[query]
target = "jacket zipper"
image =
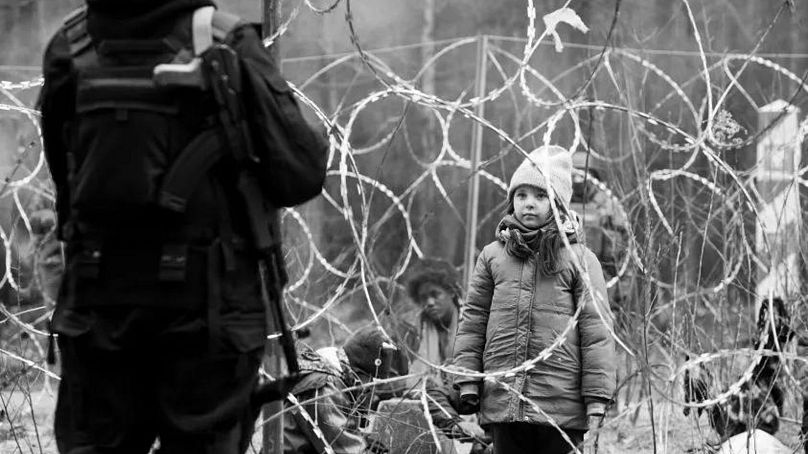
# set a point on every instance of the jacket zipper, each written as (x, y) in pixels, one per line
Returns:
(528, 336)
(513, 412)
(521, 403)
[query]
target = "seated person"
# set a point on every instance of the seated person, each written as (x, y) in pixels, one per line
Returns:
(434, 286)
(331, 394)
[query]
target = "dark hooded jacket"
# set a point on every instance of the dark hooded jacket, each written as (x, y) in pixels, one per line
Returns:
(151, 291)
(325, 374)
(149, 20)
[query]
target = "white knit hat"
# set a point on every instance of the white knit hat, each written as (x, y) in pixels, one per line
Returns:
(556, 168)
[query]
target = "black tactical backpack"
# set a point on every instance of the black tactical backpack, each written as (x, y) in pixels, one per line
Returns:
(157, 159)
(134, 125)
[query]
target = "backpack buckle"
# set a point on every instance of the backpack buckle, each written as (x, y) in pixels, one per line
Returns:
(173, 263)
(88, 259)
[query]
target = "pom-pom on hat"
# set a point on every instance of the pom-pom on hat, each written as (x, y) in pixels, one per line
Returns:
(556, 168)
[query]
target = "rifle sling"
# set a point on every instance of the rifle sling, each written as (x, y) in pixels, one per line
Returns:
(192, 164)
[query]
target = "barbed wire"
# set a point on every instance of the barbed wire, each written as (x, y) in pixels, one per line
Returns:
(353, 274)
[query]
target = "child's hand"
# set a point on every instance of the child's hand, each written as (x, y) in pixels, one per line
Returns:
(469, 404)
(594, 414)
(469, 399)
(593, 421)
(469, 388)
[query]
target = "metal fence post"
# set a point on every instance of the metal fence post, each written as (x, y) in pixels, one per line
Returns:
(476, 153)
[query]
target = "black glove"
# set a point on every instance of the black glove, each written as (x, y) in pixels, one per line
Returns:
(469, 404)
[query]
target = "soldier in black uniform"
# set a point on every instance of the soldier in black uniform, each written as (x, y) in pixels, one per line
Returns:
(167, 182)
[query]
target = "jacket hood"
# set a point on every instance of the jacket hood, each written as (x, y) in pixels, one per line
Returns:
(133, 19)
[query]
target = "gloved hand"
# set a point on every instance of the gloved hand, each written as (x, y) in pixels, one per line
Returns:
(593, 421)
(469, 399)
(595, 410)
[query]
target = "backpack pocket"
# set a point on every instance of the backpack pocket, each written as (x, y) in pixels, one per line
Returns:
(126, 131)
(292, 153)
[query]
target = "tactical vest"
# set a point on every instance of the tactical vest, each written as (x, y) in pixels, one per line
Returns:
(145, 204)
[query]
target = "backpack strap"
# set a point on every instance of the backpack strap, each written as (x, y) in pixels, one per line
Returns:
(205, 150)
(224, 23)
(209, 25)
(80, 41)
(187, 170)
(202, 29)
(74, 16)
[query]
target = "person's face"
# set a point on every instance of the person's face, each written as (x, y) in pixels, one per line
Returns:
(531, 206)
(436, 302)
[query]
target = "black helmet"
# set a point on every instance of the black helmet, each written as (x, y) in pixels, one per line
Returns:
(370, 352)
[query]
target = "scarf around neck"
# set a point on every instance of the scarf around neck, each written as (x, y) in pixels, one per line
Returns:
(522, 241)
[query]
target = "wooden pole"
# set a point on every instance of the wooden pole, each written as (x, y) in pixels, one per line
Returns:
(476, 152)
(270, 12)
(273, 361)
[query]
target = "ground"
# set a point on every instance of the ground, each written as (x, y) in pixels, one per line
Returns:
(32, 433)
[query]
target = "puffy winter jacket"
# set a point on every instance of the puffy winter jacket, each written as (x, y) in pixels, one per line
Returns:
(512, 313)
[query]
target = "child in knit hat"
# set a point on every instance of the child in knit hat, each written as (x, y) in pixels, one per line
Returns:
(528, 287)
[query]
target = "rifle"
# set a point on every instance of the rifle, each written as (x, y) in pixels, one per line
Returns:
(217, 69)
(222, 72)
